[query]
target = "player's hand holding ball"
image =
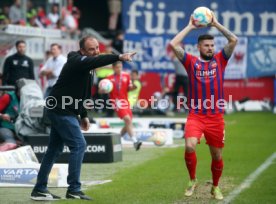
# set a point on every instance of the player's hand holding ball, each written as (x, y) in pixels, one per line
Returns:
(214, 20)
(191, 24)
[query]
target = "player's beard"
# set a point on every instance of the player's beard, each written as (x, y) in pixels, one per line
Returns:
(209, 56)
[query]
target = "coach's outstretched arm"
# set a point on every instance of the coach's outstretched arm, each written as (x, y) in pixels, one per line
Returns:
(231, 37)
(92, 62)
(177, 40)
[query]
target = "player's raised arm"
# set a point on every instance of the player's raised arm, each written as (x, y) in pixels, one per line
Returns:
(231, 37)
(177, 40)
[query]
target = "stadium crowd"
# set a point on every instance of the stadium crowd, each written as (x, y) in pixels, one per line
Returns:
(65, 18)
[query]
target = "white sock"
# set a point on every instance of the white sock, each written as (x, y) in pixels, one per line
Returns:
(134, 139)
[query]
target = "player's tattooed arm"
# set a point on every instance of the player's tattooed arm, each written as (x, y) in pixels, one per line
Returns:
(178, 51)
(231, 37)
(232, 42)
(178, 39)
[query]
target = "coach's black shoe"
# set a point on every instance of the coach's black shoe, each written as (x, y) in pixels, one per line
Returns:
(43, 195)
(137, 145)
(77, 195)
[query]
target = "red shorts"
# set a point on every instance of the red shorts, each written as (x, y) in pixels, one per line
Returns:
(124, 112)
(209, 126)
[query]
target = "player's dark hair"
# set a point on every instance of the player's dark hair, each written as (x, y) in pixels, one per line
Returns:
(135, 71)
(19, 42)
(83, 40)
(115, 63)
(205, 37)
(56, 44)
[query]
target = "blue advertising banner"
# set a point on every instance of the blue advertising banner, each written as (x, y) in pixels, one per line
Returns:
(262, 56)
(150, 24)
(18, 175)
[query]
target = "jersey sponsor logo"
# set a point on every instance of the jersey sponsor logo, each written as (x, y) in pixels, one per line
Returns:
(206, 73)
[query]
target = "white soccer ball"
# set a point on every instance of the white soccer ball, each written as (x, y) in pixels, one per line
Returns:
(159, 138)
(202, 17)
(106, 85)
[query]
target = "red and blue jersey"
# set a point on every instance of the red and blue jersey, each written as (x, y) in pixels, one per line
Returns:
(205, 83)
(121, 83)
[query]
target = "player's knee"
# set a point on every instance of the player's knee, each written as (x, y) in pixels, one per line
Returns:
(216, 156)
(189, 147)
(127, 120)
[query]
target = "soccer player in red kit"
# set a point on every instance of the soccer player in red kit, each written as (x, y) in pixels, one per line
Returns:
(206, 75)
(119, 95)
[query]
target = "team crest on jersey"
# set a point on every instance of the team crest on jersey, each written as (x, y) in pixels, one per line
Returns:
(198, 66)
(15, 62)
(213, 64)
(25, 63)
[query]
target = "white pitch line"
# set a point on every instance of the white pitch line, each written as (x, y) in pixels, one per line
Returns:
(249, 180)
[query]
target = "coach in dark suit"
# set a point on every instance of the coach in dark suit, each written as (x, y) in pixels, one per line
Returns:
(74, 83)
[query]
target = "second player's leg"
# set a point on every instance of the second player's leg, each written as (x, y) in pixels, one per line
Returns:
(191, 161)
(217, 164)
(214, 135)
(216, 153)
(190, 156)
(123, 131)
(216, 168)
(193, 132)
(129, 129)
(128, 126)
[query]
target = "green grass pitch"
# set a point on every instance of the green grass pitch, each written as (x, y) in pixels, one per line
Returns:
(158, 175)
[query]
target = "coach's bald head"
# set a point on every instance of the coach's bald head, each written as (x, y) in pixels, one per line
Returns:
(89, 46)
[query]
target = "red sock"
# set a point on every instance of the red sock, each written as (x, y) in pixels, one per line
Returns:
(216, 167)
(190, 158)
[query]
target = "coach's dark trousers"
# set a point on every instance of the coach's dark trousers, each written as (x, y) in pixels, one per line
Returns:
(65, 130)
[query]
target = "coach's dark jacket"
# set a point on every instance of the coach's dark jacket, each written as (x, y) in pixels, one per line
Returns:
(75, 82)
